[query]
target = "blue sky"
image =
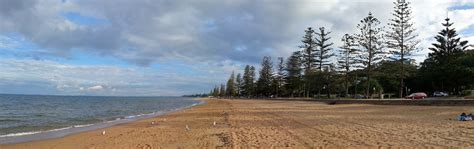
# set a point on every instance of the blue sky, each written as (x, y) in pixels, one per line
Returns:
(80, 19)
(158, 47)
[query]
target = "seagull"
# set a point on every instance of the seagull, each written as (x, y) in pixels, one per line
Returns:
(153, 123)
(103, 132)
(214, 123)
(187, 128)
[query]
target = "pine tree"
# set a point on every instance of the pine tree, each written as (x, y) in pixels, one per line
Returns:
(222, 92)
(280, 77)
(230, 89)
(440, 67)
(448, 45)
(308, 50)
(252, 80)
(264, 83)
(214, 92)
(346, 60)
(401, 38)
(323, 47)
(308, 57)
(294, 74)
(238, 84)
(248, 81)
(370, 41)
(329, 80)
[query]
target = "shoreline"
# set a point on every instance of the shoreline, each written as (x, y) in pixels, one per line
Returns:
(24, 137)
(272, 123)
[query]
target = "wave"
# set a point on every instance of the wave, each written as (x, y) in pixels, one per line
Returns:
(112, 122)
(36, 132)
(10, 120)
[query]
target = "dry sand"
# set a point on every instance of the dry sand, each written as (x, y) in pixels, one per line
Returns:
(292, 124)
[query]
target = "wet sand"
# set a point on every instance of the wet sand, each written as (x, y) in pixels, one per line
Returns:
(291, 124)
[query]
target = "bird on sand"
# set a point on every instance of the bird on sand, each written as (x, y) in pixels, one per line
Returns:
(187, 128)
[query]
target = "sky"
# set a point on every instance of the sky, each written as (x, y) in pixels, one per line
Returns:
(176, 47)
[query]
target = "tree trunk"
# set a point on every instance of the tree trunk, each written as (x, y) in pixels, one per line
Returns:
(347, 84)
(402, 77)
(402, 54)
(401, 88)
(356, 83)
(367, 92)
(369, 63)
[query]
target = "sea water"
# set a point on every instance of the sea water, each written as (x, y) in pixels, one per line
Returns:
(34, 117)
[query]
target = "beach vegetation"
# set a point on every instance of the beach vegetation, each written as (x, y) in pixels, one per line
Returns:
(370, 63)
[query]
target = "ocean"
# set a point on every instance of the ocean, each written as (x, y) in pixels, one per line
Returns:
(35, 117)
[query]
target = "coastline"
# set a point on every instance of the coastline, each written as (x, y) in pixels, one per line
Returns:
(40, 135)
(269, 123)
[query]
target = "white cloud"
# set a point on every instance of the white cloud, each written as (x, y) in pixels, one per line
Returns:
(206, 39)
(95, 88)
(42, 76)
(147, 32)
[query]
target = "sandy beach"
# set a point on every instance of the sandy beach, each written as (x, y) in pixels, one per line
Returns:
(282, 124)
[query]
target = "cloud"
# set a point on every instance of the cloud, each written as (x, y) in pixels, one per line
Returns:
(146, 32)
(205, 37)
(95, 88)
(49, 77)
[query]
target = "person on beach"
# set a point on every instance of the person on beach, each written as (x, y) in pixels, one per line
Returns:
(462, 117)
(469, 117)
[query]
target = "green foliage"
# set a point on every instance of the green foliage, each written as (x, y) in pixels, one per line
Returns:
(401, 36)
(215, 92)
(323, 48)
(449, 66)
(323, 55)
(308, 50)
(370, 42)
(376, 87)
(293, 75)
(384, 73)
(222, 92)
(238, 85)
(308, 72)
(347, 59)
(467, 93)
(279, 80)
(448, 46)
(248, 81)
(230, 89)
(401, 39)
(264, 83)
